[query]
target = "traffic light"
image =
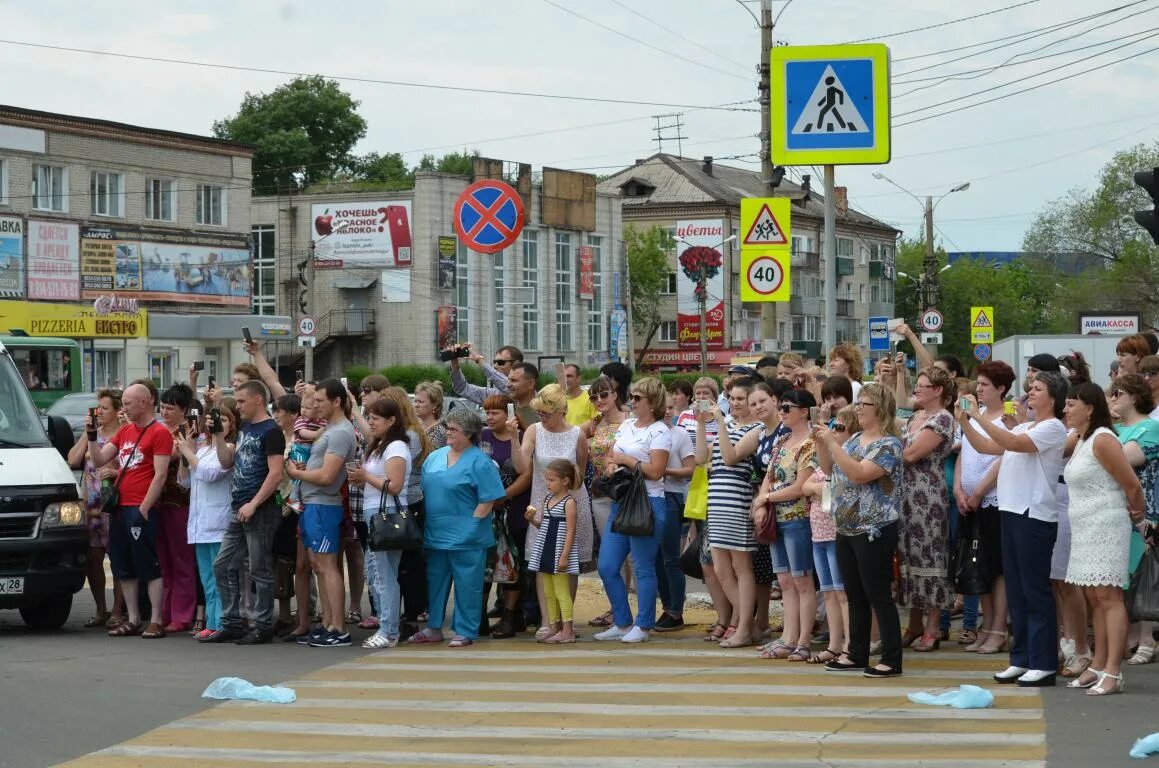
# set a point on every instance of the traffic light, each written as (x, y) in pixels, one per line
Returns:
(1149, 220)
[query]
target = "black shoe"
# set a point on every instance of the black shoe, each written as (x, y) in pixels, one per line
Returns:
(875, 672)
(255, 637)
(313, 634)
(224, 635)
(495, 612)
(331, 639)
(505, 627)
(668, 623)
(838, 666)
(294, 637)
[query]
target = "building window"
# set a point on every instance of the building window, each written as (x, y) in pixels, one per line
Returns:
(596, 320)
(530, 280)
(265, 272)
(159, 199)
(563, 290)
(106, 368)
(462, 294)
(49, 185)
(864, 255)
(798, 327)
(500, 302)
(3, 181)
(668, 332)
(107, 193)
(845, 248)
(210, 205)
(669, 286)
(875, 293)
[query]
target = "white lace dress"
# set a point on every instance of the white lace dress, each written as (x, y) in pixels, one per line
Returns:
(550, 446)
(1100, 528)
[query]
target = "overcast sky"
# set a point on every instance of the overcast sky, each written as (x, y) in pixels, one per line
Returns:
(1017, 152)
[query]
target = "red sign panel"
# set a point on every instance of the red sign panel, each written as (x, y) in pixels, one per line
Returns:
(685, 358)
(587, 272)
(688, 327)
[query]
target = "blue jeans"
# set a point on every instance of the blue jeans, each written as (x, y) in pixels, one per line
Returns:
(614, 550)
(670, 577)
(382, 576)
(465, 568)
(970, 603)
(251, 543)
(206, 554)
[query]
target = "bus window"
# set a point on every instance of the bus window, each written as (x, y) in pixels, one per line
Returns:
(44, 369)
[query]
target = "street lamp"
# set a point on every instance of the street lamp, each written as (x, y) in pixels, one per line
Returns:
(307, 302)
(702, 298)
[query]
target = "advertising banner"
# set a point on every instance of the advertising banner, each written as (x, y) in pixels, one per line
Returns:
(105, 318)
(708, 233)
(447, 248)
(153, 265)
(11, 258)
(363, 234)
(446, 327)
(587, 272)
(53, 261)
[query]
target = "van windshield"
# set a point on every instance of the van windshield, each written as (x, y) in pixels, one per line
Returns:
(19, 420)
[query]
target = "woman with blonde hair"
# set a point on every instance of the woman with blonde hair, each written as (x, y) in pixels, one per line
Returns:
(553, 438)
(428, 406)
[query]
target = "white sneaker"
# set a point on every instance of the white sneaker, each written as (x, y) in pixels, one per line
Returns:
(635, 635)
(1010, 674)
(611, 633)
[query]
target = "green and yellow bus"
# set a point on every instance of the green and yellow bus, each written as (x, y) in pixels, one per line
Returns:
(51, 368)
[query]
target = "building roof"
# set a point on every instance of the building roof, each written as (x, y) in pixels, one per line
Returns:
(664, 179)
(32, 118)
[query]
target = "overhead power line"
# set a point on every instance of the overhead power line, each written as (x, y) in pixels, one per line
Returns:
(673, 32)
(944, 23)
(638, 41)
(369, 80)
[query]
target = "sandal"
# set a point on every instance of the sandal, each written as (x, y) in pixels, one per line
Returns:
(98, 620)
(776, 650)
(458, 641)
(967, 637)
(927, 643)
(800, 653)
(824, 657)
(557, 640)
(370, 622)
(115, 621)
(1078, 682)
(986, 648)
(1075, 665)
(733, 641)
(979, 641)
(354, 617)
(1144, 655)
(125, 629)
(379, 641)
(603, 620)
(1099, 690)
(198, 626)
(908, 637)
(715, 633)
(153, 632)
(544, 632)
(422, 637)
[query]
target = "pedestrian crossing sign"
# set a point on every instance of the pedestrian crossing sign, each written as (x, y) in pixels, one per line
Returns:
(981, 325)
(764, 222)
(830, 104)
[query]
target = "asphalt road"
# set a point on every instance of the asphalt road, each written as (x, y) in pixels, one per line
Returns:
(70, 693)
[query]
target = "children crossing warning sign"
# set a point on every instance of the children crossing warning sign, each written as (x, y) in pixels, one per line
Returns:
(764, 222)
(981, 325)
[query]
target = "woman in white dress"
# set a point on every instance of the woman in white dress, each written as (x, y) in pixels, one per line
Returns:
(1103, 487)
(553, 438)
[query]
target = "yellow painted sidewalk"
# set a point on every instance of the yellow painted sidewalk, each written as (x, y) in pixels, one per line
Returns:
(669, 703)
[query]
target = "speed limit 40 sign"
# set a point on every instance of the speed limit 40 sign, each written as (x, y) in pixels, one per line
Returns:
(764, 275)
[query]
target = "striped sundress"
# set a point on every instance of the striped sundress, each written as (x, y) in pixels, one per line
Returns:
(548, 543)
(730, 495)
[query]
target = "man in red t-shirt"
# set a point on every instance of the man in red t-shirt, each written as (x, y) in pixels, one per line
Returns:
(142, 449)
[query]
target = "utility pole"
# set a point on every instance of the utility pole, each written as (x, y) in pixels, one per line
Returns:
(307, 307)
(930, 284)
(829, 335)
(768, 308)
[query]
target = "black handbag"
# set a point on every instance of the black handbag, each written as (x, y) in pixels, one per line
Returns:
(613, 486)
(394, 528)
(111, 496)
(690, 558)
(971, 568)
(1143, 596)
(635, 515)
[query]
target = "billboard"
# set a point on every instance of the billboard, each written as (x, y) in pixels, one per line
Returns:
(164, 266)
(53, 260)
(708, 233)
(587, 272)
(11, 258)
(374, 235)
(105, 318)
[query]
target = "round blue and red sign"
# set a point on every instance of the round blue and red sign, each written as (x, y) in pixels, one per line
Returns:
(488, 216)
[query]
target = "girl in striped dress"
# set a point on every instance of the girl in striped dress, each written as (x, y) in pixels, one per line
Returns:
(553, 551)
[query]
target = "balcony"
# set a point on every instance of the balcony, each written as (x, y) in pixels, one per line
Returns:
(801, 305)
(805, 260)
(877, 269)
(845, 307)
(844, 266)
(346, 323)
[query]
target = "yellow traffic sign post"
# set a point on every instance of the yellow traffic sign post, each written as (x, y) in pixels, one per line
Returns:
(765, 235)
(982, 332)
(764, 275)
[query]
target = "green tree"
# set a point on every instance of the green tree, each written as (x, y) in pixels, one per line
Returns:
(389, 169)
(462, 163)
(1100, 225)
(647, 252)
(1023, 297)
(303, 132)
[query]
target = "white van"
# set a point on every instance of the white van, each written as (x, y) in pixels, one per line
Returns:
(43, 532)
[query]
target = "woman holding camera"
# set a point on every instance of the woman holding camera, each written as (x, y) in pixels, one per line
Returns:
(178, 563)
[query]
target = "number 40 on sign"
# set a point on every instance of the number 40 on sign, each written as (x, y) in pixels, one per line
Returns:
(766, 275)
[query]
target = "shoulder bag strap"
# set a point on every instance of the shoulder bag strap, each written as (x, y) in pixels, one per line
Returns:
(132, 453)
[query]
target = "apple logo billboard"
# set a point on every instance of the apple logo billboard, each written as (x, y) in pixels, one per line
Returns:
(363, 234)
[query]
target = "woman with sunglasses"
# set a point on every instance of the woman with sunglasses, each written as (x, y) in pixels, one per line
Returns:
(731, 536)
(791, 464)
(925, 586)
(1130, 402)
(1105, 499)
(866, 476)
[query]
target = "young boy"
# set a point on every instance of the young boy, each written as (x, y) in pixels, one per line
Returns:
(306, 431)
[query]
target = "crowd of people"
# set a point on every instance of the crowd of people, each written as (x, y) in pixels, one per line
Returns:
(264, 515)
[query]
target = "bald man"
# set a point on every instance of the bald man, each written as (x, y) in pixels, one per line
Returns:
(141, 449)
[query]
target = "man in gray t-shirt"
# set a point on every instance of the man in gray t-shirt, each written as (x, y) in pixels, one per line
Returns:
(322, 477)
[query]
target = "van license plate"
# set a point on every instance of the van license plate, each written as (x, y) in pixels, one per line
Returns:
(11, 585)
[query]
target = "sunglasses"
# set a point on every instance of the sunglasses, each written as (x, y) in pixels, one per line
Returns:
(786, 408)
(366, 390)
(502, 362)
(598, 395)
(637, 398)
(864, 404)
(1148, 374)
(1116, 392)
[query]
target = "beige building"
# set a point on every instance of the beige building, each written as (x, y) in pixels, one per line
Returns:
(383, 277)
(669, 192)
(97, 215)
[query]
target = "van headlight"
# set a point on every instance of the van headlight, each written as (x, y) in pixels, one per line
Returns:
(62, 513)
